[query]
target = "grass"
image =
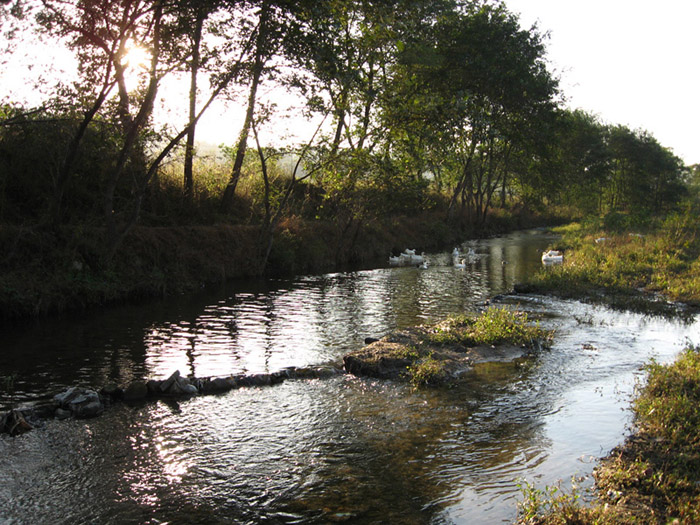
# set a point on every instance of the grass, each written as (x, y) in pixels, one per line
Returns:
(427, 371)
(654, 477)
(622, 269)
(494, 326)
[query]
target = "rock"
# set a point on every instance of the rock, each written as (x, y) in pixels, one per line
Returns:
(277, 377)
(64, 397)
(14, 423)
(183, 387)
(136, 391)
(176, 386)
(153, 387)
(216, 385)
(82, 402)
(167, 385)
(112, 391)
(255, 380)
(43, 410)
(62, 413)
(381, 359)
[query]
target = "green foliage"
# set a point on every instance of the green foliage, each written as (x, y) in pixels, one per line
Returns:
(616, 221)
(494, 326)
(551, 505)
(669, 406)
(664, 260)
(427, 371)
(656, 473)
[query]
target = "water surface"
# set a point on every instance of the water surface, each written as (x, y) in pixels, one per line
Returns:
(316, 451)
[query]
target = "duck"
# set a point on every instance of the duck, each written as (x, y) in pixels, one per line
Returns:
(461, 265)
(423, 265)
(552, 257)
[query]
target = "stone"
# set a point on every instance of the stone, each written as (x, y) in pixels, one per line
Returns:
(63, 398)
(62, 413)
(14, 423)
(167, 385)
(153, 387)
(184, 387)
(381, 359)
(176, 386)
(136, 391)
(216, 385)
(81, 402)
(112, 390)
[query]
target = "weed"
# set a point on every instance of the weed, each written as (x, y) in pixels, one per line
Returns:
(427, 371)
(654, 477)
(494, 326)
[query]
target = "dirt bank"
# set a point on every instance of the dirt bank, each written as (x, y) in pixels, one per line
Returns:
(47, 272)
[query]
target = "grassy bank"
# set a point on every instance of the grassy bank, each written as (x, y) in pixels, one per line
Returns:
(633, 269)
(654, 476)
(45, 272)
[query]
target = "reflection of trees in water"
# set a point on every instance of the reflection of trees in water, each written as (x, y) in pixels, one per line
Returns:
(257, 326)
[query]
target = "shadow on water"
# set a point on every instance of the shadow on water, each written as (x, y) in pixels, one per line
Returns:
(317, 451)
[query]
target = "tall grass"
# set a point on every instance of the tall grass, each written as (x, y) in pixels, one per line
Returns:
(494, 326)
(597, 261)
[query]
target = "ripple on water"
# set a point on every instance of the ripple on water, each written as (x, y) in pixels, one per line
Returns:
(317, 451)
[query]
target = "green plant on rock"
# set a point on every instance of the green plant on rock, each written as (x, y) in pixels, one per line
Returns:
(494, 326)
(427, 371)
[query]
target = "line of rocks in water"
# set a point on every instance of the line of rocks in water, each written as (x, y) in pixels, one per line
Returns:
(85, 403)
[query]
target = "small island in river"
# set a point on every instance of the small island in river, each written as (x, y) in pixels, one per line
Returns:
(444, 352)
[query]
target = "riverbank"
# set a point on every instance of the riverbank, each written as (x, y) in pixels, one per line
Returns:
(650, 272)
(47, 273)
(654, 476)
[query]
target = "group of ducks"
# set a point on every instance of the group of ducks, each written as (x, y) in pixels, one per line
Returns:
(459, 260)
(410, 258)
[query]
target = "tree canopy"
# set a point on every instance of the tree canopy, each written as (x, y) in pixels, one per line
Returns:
(416, 105)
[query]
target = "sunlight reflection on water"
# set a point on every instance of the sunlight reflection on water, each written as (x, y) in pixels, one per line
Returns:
(314, 451)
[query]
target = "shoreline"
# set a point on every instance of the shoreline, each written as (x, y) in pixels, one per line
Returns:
(48, 275)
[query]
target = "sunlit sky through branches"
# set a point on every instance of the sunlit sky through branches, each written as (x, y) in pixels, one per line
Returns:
(629, 62)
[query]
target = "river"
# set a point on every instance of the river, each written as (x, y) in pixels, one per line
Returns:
(342, 449)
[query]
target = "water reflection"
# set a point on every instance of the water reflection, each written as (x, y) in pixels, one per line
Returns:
(344, 449)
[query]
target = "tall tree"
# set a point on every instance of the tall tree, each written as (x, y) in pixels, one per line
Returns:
(477, 83)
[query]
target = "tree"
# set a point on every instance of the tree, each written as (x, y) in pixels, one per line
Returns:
(477, 85)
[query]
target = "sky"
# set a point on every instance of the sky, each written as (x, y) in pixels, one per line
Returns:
(630, 62)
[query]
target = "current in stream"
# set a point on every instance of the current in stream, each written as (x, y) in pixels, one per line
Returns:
(343, 449)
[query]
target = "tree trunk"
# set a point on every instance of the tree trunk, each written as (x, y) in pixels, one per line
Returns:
(258, 65)
(132, 130)
(194, 71)
(72, 152)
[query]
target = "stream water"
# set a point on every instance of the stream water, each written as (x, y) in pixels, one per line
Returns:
(342, 449)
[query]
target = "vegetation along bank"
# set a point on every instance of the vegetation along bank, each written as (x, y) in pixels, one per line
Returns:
(654, 476)
(415, 124)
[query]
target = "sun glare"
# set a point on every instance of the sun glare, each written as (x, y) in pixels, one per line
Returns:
(137, 57)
